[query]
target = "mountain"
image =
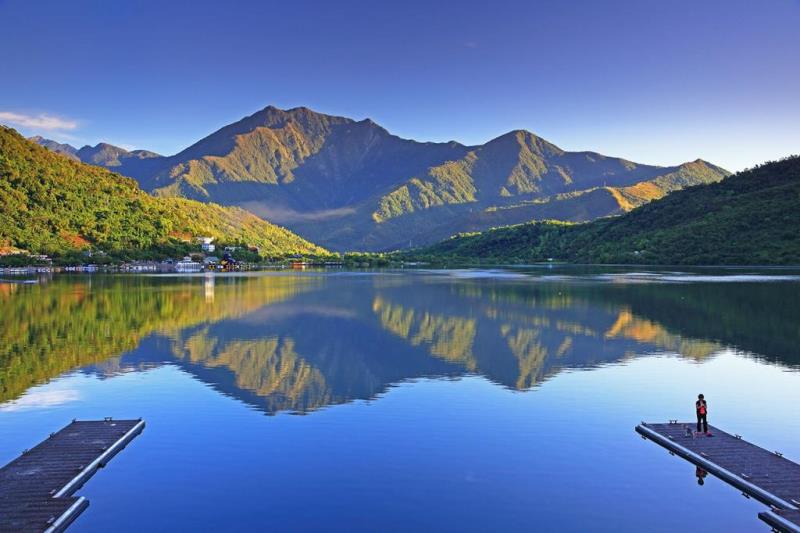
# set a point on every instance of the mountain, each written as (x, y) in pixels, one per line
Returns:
(105, 155)
(63, 149)
(520, 177)
(108, 155)
(353, 185)
(51, 204)
(752, 217)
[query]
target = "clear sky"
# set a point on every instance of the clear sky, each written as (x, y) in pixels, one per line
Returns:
(651, 80)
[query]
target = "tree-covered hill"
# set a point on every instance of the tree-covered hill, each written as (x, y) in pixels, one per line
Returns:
(752, 217)
(53, 204)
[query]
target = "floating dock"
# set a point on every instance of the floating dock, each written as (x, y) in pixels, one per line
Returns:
(36, 488)
(766, 476)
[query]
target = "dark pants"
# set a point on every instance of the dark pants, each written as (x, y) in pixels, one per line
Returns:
(702, 418)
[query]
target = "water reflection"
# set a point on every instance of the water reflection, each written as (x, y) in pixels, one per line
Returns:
(73, 322)
(701, 474)
(301, 342)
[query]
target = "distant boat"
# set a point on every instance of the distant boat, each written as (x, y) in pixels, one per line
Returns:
(187, 265)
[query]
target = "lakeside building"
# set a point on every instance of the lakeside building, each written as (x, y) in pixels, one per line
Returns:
(188, 265)
(140, 266)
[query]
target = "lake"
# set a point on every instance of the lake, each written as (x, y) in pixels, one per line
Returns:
(460, 400)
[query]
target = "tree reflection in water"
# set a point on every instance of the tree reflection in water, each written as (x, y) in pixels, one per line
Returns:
(301, 342)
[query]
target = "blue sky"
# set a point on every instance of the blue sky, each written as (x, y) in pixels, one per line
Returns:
(652, 81)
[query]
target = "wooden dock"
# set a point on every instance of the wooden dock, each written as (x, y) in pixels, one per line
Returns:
(782, 520)
(766, 476)
(36, 488)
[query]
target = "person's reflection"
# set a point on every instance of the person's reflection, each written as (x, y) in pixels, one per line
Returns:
(701, 475)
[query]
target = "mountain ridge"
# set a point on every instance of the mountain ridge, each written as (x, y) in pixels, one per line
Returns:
(352, 184)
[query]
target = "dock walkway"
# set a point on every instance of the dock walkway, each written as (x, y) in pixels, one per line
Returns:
(36, 488)
(764, 475)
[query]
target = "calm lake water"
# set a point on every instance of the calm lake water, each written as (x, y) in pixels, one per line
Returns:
(381, 401)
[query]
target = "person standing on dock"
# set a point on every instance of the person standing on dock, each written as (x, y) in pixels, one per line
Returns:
(702, 413)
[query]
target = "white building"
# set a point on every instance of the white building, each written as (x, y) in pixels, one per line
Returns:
(187, 265)
(206, 243)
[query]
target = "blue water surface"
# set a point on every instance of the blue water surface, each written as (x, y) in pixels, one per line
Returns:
(387, 401)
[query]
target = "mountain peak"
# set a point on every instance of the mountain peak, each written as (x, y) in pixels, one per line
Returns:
(516, 136)
(523, 133)
(273, 113)
(222, 141)
(703, 165)
(103, 147)
(524, 139)
(108, 155)
(55, 146)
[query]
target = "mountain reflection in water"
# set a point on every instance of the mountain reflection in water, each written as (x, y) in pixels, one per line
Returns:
(299, 342)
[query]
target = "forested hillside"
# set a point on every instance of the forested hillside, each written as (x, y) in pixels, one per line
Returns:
(752, 217)
(53, 204)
